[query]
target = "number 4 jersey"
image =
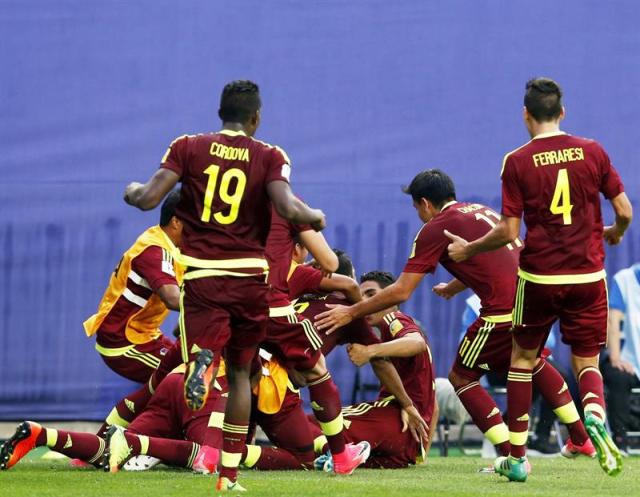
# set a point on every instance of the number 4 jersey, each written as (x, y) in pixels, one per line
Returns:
(224, 203)
(555, 180)
(491, 275)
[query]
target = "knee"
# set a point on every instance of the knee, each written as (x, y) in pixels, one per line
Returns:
(457, 381)
(315, 373)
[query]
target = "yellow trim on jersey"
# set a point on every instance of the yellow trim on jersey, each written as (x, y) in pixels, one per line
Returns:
(206, 273)
(280, 312)
(506, 156)
(113, 352)
(562, 279)
(497, 319)
(231, 132)
(246, 263)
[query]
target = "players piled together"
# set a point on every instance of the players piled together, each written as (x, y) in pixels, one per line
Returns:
(256, 321)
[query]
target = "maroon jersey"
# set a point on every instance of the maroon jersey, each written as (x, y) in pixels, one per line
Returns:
(357, 331)
(555, 180)
(224, 203)
(304, 279)
(491, 275)
(279, 249)
(417, 373)
(150, 270)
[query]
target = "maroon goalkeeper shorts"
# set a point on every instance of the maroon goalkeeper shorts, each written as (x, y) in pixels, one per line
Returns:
(582, 310)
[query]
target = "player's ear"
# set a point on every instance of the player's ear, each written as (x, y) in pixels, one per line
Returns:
(525, 114)
(563, 114)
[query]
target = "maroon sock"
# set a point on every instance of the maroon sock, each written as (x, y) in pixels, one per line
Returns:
(274, 458)
(592, 392)
(325, 402)
(128, 408)
(85, 446)
(551, 385)
(234, 435)
(174, 452)
(518, 406)
(486, 415)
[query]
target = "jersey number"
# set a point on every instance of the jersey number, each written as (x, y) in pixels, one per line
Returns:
(561, 203)
(233, 199)
(486, 217)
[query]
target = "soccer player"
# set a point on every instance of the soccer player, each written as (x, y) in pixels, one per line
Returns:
(230, 181)
(487, 343)
(555, 181)
(165, 429)
(142, 289)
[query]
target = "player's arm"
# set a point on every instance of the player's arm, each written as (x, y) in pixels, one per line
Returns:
(390, 379)
(624, 212)
(394, 294)
(504, 232)
(293, 209)
(407, 346)
(319, 249)
(149, 195)
(449, 290)
(340, 283)
(170, 296)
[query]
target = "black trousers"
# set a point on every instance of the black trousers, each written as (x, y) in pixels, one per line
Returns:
(619, 384)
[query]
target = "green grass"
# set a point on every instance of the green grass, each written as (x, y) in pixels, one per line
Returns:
(455, 476)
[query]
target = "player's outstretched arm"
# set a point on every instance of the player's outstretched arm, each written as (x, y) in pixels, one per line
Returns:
(506, 231)
(292, 208)
(407, 346)
(624, 212)
(398, 292)
(411, 418)
(320, 250)
(449, 290)
(149, 195)
(340, 283)
(170, 296)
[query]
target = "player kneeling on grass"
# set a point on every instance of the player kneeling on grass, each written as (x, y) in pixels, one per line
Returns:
(166, 430)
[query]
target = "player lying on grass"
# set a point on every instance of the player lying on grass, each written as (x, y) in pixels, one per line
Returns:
(166, 430)
(554, 181)
(487, 344)
(143, 288)
(407, 417)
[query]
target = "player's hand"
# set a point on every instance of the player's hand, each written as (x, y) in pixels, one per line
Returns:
(359, 354)
(129, 192)
(612, 235)
(443, 290)
(412, 420)
(321, 223)
(337, 316)
(622, 365)
(314, 264)
(457, 248)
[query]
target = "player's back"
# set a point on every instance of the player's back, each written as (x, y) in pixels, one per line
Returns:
(224, 203)
(555, 181)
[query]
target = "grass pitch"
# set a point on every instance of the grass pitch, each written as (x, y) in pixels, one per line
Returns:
(450, 477)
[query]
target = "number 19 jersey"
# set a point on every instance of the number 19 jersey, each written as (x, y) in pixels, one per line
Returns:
(555, 181)
(224, 203)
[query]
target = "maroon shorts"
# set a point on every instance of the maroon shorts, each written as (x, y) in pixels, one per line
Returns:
(486, 347)
(582, 310)
(379, 424)
(139, 362)
(221, 312)
(294, 341)
(167, 416)
(288, 428)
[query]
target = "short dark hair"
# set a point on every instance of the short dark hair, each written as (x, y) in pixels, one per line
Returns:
(345, 266)
(434, 185)
(382, 278)
(168, 209)
(543, 99)
(239, 101)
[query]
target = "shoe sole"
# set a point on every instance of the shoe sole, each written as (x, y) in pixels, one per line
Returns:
(609, 455)
(113, 465)
(23, 432)
(196, 390)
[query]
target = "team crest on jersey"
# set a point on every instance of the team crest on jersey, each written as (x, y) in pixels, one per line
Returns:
(395, 327)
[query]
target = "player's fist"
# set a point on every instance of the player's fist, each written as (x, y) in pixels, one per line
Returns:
(457, 248)
(442, 290)
(359, 354)
(321, 222)
(129, 192)
(612, 235)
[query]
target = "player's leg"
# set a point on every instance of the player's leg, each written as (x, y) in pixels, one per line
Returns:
(29, 435)
(583, 325)
(485, 347)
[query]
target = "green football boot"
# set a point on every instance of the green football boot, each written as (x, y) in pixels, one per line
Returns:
(609, 455)
(512, 468)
